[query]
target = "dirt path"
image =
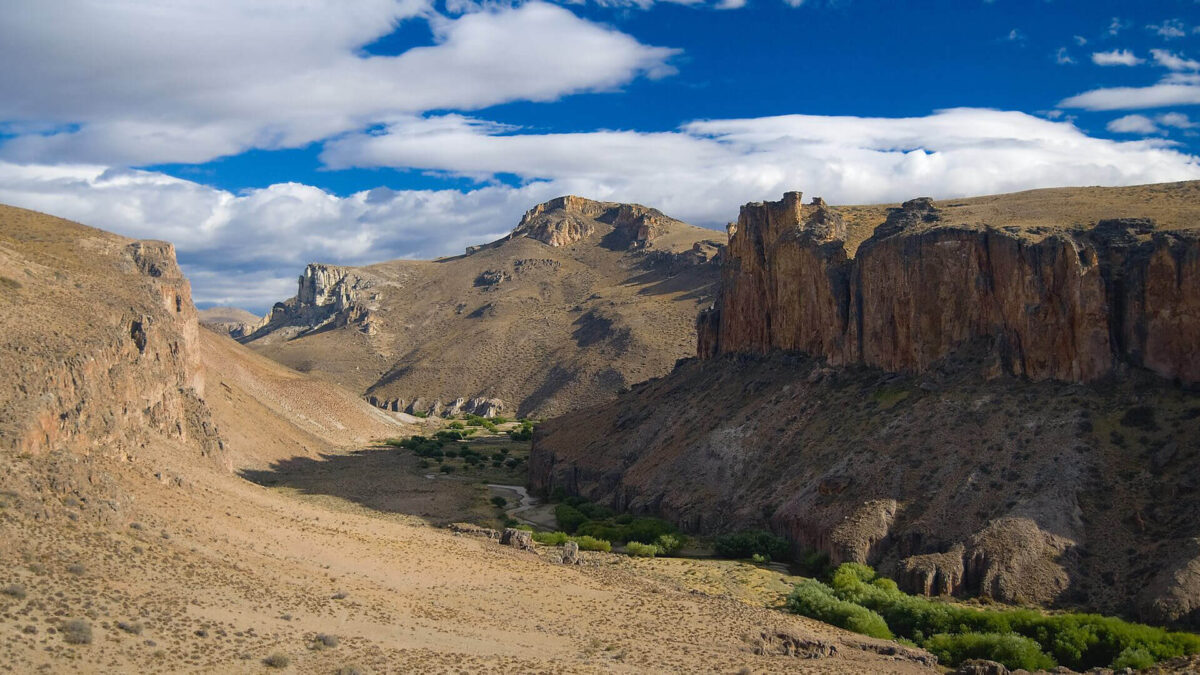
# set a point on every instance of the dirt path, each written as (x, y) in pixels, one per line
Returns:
(529, 510)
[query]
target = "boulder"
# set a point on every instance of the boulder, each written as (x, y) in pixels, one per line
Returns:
(518, 539)
(570, 554)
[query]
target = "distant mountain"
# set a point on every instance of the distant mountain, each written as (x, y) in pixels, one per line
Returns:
(579, 301)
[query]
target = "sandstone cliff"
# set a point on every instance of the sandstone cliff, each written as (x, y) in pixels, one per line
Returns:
(1075, 305)
(977, 405)
(580, 300)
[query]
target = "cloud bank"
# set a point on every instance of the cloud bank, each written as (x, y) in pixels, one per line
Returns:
(246, 249)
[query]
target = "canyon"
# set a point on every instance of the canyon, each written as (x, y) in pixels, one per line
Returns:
(992, 396)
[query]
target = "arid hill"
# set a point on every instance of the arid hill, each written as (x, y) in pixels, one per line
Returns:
(992, 396)
(129, 541)
(232, 321)
(582, 299)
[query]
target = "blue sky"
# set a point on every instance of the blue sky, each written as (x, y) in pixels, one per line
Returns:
(260, 137)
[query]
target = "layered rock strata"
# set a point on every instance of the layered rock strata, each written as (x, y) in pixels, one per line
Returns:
(1075, 305)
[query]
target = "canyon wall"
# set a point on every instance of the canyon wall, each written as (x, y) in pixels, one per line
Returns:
(1075, 304)
(115, 358)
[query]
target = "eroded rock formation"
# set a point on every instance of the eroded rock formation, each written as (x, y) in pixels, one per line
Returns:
(974, 409)
(565, 220)
(1076, 305)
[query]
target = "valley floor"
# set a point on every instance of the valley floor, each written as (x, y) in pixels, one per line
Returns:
(217, 573)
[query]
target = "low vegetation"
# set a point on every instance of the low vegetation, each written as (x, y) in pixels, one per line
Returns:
(578, 516)
(858, 600)
(76, 632)
(755, 544)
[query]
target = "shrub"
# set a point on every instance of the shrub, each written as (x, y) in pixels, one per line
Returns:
(76, 632)
(550, 538)
(746, 544)
(1014, 651)
(131, 627)
(668, 544)
(420, 414)
(814, 599)
(1133, 657)
(325, 641)
(15, 590)
(456, 425)
(447, 469)
(500, 502)
(1078, 641)
(592, 544)
(512, 463)
(277, 660)
(640, 550)
(569, 517)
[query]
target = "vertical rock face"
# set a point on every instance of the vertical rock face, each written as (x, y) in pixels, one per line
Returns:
(1077, 305)
(325, 295)
(125, 366)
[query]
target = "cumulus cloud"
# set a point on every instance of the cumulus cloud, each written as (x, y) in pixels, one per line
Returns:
(1133, 124)
(198, 79)
(1116, 57)
(1063, 57)
(230, 243)
(1173, 61)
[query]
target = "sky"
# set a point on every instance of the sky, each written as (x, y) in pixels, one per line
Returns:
(261, 136)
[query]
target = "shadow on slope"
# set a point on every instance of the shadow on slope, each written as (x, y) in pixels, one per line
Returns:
(379, 479)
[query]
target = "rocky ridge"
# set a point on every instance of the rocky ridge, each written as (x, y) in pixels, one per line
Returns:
(975, 408)
(581, 299)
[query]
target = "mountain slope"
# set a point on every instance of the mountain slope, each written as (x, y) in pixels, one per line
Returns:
(978, 398)
(128, 544)
(581, 299)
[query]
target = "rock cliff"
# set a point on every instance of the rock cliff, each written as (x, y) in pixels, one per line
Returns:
(1001, 405)
(1076, 305)
(119, 366)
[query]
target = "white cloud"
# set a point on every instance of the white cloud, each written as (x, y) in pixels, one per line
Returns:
(1015, 35)
(1117, 25)
(1133, 124)
(1080, 40)
(1168, 92)
(230, 244)
(1062, 57)
(197, 79)
(1177, 120)
(1116, 57)
(1169, 29)
(1173, 61)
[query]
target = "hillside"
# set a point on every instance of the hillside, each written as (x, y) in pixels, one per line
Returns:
(991, 396)
(232, 321)
(582, 299)
(132, 543)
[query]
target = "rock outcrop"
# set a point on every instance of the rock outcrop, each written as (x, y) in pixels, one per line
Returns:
(973, 408)
(565, 220)
(1075, 305)
(121, 371)
(480, 405)
(327, 296)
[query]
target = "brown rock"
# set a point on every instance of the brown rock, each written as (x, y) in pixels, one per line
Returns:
(518, 539)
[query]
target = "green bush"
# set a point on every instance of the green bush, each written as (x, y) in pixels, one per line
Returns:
(592, 544)
(746, 544)
(640, 550)
(1133, 657)
(814, 599)
(1078, 641)
(447, 469)
(1014, 651)
(523, 432)
(420, 414)
(456, 425)
(500, 502)
(551, 538)
(668, 544)
(569, 517)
